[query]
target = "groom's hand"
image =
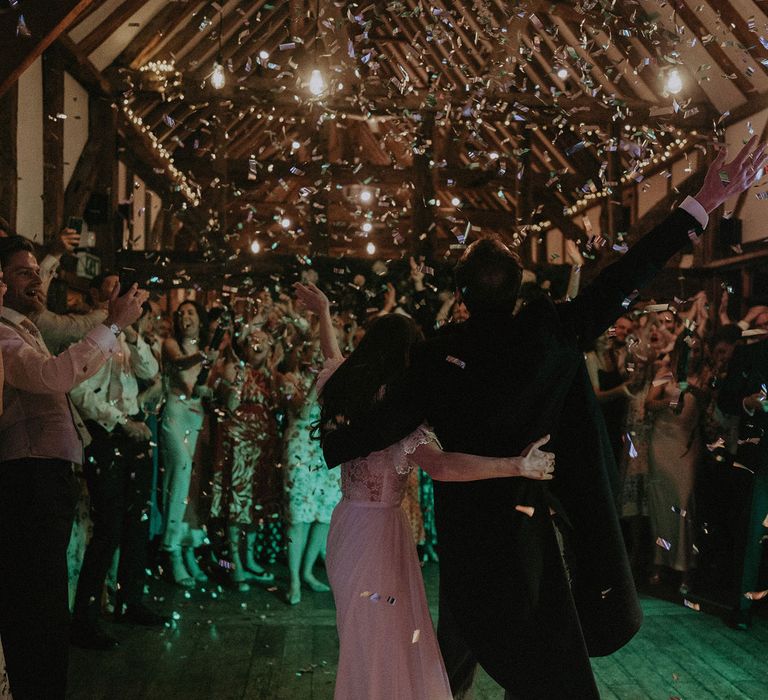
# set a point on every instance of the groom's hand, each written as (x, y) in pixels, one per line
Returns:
(725, 180)
(536, 464)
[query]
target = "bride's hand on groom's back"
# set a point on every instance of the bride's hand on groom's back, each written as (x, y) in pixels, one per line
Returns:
(534, 463)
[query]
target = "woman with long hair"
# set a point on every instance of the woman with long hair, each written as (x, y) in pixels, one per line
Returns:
(184, 354)
(676, 447)
(388, 647)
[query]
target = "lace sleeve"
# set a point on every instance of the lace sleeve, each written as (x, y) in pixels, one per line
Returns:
(421, 436)
(329, 367)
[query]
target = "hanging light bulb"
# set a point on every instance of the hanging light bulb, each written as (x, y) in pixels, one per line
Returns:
(255, 247)
(367, 227)
(366, 196)
(218, 77)
(286, 222)
(674, 82)
(456, 202)
(562, 73)
(370, 248)
(316, 82)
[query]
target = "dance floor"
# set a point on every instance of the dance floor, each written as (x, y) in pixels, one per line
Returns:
(251, 645)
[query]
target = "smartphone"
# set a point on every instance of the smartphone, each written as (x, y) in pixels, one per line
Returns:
(128, 278)
(76, 223)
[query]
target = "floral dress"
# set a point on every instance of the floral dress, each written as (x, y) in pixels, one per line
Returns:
(312, 490)
(246, 480)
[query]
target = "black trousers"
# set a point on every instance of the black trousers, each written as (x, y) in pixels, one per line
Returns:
(118, 471)
(37, 507)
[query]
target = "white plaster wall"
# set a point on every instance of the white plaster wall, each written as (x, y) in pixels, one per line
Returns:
(113, 45)
(138, 238)
(650, 191)
(29, 144)
(75, 125)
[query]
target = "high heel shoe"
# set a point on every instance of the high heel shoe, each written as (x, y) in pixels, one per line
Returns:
(179, 572)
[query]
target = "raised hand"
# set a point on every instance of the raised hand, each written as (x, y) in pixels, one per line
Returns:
(725, 180)
(125, 310)
(534, 463)
(312, 297)
(66, 242)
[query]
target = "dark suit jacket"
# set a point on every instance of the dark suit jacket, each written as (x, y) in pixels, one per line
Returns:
(491, 386)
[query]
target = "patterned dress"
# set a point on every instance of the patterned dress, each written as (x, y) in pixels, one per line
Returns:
(247, 478)
(311, 490)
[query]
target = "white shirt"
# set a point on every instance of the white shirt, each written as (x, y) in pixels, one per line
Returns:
(110, 396)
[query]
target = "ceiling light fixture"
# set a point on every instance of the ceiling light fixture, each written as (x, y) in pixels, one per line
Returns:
(219, 77)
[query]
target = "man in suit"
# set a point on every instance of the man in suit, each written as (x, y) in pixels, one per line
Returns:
(743, 397)
(534, 575)
(41, 436)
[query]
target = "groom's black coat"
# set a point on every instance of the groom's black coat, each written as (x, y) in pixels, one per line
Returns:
(491, 386)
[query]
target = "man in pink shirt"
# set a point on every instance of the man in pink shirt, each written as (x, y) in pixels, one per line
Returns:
(41, 436)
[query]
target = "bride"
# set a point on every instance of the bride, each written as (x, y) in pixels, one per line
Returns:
(388, 648)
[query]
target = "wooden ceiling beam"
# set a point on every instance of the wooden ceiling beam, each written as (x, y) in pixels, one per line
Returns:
(104, 30)
(45, 21)
(145, 44)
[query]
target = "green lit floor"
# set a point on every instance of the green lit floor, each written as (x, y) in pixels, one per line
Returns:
(251, 645)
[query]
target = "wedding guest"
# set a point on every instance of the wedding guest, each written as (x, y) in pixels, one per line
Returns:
(183, 355)
(743, 398)
(41, 436)
(118, 471)
(244, 484)
(59, 330)
(676, 447)
(311, 490)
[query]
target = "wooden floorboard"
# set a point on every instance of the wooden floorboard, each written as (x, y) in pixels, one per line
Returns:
(227, 645)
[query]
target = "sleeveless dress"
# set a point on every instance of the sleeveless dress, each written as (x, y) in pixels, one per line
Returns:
(388, 647)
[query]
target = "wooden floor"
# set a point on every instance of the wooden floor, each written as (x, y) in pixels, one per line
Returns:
(251, 645)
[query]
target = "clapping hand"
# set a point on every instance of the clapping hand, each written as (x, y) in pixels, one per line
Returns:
(312, 297)
(533, 463)
(725, 180)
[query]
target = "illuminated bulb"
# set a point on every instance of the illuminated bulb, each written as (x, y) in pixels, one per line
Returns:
(366, 196)
(370, 248)
(456, 201)
(295, 145)
(562, 73)
(367, 227)
(263, 55)
(674, 82)
(218, 78)
(316, 83)
(285, 223)
(493, 155)
(255, 247)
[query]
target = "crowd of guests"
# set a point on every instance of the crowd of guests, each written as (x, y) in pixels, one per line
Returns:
(194, 429)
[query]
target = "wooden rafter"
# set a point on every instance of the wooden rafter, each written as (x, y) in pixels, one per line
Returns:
(45, 21)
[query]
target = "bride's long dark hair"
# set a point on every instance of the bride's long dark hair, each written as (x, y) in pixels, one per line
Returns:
(379, 359)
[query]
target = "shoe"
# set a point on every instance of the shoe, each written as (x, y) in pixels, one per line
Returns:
(740, 620)
(92, 637)
(139, 614)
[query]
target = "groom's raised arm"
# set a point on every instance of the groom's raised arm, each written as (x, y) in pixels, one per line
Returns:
(610, 294)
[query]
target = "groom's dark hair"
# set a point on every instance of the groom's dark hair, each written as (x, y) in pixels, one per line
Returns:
(488, 276)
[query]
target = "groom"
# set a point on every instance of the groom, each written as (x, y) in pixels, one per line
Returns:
(533, 575)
